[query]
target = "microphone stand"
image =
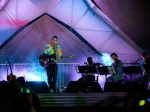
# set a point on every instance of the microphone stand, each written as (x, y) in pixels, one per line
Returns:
(7, 68)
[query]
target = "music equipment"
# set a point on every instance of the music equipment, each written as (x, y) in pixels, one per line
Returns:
(87, 69)
(45, 60)
(113, 87)
(136, 87)
(38, 86)
(83, 87)
(132, 70)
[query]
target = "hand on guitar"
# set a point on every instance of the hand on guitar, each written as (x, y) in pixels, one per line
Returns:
(59, 58)
(45, 59)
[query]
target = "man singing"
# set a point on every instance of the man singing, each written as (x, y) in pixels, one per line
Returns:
(53, 49)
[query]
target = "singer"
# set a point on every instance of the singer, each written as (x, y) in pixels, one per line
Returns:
(53, 48)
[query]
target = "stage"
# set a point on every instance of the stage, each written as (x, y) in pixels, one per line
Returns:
(91, 102)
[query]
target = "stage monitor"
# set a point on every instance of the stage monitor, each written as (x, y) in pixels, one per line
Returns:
(38, 86)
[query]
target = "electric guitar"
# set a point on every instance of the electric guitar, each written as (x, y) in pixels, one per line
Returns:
(45, 60)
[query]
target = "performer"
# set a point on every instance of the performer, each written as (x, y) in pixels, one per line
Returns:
(118, 66)
(146, 67)
(53, 49)
(90, 76)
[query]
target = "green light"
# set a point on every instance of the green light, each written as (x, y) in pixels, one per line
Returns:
(27, 90)
(142, 103)
(21, 90)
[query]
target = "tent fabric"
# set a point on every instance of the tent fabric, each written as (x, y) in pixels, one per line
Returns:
(30, 41)
(25, 46)
(24, 32)
(131, 16)
(76, 14)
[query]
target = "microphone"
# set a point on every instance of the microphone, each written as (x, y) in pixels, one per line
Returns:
(7, 61)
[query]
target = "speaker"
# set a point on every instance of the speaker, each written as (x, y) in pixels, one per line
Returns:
(38, 86)
(83, 87)
(73, 87)
(93, 87)
(136, 87)
(113, 87)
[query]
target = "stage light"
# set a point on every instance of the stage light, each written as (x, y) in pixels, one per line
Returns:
(142, 102)
(27, 90)
(24, 90)
(21, 90)
(106, 59)
(148, 99)
(33, 77)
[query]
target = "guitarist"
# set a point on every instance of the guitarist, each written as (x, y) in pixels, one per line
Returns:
(53, 49)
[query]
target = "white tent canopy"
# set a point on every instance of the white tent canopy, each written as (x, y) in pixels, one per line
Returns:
(74, 13)
(23, 31)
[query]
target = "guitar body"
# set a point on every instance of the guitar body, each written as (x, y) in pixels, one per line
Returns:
(46, 59)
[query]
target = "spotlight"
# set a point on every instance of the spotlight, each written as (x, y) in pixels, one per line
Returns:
(106, 59)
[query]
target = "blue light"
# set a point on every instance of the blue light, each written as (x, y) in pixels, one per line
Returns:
(34, 77)
(106, 59)
(148, 99)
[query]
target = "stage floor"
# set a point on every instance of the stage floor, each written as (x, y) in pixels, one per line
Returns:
(64, 102)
